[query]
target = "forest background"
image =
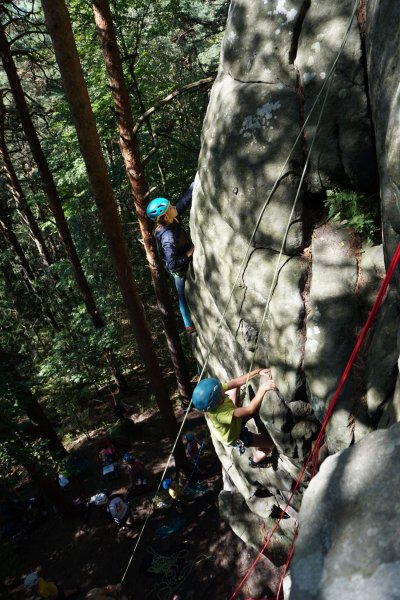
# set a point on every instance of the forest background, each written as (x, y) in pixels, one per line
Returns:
(65, 329)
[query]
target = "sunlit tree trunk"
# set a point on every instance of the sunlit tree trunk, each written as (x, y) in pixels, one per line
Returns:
(47, 178)
(59, 27)
(139, 189)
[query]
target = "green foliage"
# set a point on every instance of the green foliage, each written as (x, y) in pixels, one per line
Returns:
(122, 433)
(165, 45)
(356, 210)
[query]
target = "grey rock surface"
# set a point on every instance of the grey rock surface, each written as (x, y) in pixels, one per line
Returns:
(348, 545)
(252, 529)
(343, 154)
(382, 49)
(330, 332)
(275, 58)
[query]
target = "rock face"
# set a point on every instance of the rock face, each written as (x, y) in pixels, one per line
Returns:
(348, 546)
(274, 282)
(382, 44)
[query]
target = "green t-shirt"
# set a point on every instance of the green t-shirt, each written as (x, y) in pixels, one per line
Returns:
(227, 427)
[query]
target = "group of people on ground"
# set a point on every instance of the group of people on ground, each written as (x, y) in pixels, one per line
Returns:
(35, 585)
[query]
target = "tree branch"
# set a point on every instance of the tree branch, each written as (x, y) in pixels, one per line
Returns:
(171, 96)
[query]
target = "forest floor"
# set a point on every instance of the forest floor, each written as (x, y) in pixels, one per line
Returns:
(192, 553)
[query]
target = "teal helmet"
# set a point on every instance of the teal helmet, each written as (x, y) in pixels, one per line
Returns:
(156, 208)
(206, 394)
(167, 483)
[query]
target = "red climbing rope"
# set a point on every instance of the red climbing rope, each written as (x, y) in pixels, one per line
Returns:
(315, 450)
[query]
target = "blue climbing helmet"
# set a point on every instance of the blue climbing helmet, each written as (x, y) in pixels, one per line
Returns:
(156, 208)
(207, 394)
(189, 437)
(167, 483)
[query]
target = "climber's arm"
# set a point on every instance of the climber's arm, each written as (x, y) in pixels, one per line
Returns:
(239, 381)
(254, 405)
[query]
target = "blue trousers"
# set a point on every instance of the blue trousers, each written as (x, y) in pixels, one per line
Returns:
(183, 305)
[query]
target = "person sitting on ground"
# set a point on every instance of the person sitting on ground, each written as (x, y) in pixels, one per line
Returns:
(173, 488)
(48, 590)
(119, 511)
(175, 492)
(136, 471)
(176, 246)
(107, 592)
(228, 421)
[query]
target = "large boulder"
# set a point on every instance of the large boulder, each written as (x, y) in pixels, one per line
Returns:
(275, 282)
(348, 546)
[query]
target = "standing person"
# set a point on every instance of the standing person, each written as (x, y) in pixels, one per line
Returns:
(175, 244)
(228, 421)
(136, 470)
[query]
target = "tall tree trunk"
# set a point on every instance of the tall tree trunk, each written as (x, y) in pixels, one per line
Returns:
(47, 178)
(28, 403)
(139, 189)
(59, 27)
(17, 191)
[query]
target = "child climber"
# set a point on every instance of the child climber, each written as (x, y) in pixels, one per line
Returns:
(228, 421)
(176, 245)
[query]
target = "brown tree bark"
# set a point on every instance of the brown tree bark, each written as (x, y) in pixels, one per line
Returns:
(139, 189)
(18, 193)
(59, 27)
(47, 178)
